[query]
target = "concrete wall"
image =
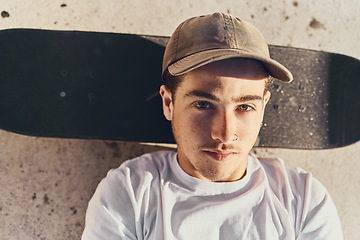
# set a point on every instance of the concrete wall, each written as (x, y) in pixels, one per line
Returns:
(46, 183)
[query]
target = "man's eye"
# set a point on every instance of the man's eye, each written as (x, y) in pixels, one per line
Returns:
(202, 105)
(245, 108)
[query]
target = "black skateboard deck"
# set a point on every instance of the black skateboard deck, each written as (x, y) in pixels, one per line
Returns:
(89, 85)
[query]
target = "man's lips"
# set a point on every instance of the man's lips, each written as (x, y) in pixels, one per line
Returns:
(219, 155)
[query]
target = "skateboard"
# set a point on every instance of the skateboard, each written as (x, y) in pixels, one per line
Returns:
(92, 85)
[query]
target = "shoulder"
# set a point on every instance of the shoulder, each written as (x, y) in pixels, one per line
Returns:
(306, 199)
(296, 180)
(114, 209)
(147, 166)
(148, 162)
(277, 172)
(125, 185)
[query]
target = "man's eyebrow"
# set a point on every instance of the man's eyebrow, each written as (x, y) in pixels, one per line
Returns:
(202, 94)
(247, 98)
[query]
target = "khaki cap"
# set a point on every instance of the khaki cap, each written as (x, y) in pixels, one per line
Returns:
(201, 40)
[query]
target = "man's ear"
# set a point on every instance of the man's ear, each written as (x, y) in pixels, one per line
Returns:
(166, 96)
(267, 95)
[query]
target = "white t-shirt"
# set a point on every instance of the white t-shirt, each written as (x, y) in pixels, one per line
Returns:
(151, 197)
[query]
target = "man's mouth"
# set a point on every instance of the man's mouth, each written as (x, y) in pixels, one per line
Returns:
(219, 155)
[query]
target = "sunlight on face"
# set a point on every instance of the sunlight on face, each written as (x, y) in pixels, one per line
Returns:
(216, 117)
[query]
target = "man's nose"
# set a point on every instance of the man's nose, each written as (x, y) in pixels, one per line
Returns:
(224, 127)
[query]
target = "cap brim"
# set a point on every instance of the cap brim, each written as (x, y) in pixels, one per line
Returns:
(196, 60)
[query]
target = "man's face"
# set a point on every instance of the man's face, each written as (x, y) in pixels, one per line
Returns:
(216, 117)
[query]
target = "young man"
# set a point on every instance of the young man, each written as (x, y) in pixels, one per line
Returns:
(216, 68)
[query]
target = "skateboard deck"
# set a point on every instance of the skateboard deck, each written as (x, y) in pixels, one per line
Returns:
(91, 85)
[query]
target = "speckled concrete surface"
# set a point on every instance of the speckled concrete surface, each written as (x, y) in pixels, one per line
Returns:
(46, 183)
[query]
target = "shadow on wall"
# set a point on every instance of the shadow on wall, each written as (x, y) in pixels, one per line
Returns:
(344, 99)
(81, 85)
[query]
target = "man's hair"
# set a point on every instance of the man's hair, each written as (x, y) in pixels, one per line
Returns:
(172, 83)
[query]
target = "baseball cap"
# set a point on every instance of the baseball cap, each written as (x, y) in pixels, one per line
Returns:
(201, 40)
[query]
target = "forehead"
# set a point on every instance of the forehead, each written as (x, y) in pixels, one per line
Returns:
(233, 76)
